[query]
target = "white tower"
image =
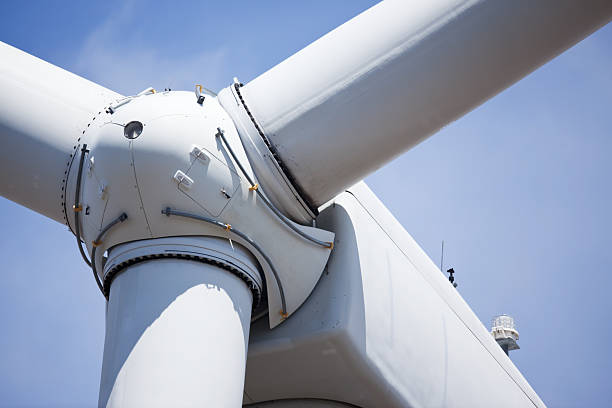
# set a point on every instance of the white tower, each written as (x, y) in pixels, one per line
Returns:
(504, 332)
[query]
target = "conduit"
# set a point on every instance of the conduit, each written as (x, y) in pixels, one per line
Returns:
(77, 207)
(97, 243)
(255, 187)
(169, 211)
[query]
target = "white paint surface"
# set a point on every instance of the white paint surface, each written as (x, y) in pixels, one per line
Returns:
(388, 328)
(44, 110)
(383, 328)
(138, 177)
(176, 336)
(382, 82)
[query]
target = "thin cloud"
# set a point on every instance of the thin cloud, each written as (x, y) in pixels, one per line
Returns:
(114, 56)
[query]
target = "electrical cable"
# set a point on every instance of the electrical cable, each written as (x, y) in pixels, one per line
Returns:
(169, 211)
(77, 207)
(254, 186)
(97, 243)
(275, 156)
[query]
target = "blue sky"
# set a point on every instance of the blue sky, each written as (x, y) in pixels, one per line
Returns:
(518, 189)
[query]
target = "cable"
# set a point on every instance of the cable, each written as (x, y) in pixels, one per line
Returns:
(255, 187)
(169, 211)
(298, 193)
(77, 207)
(98, 242)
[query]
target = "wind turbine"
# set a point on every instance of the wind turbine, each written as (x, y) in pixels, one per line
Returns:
(401, 85)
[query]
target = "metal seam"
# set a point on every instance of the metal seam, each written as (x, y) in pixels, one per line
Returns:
(276, 212)
(169, 211)
(111, 224)
(275, 155)
(142, 206)
(64, 185)
(253, 286)
(425, 278)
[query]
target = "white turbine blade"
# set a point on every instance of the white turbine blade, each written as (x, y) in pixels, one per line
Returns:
(392, 76)
(43, 111)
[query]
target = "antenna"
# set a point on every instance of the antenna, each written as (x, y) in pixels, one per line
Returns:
(451, 271)
(451, 278)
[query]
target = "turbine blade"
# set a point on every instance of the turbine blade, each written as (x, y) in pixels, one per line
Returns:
(43, 111)
(394, 75)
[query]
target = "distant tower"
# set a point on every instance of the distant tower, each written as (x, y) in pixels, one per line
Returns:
(504, 332)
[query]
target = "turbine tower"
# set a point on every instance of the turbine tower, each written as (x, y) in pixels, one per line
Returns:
(208, 220)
